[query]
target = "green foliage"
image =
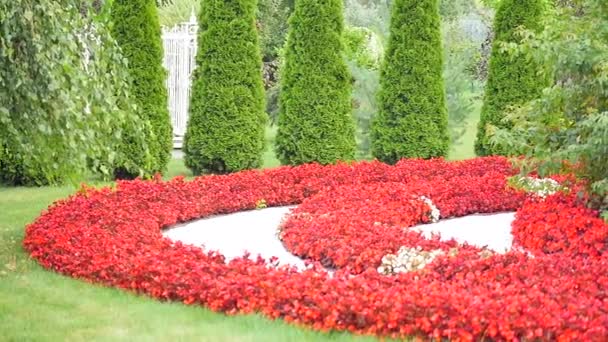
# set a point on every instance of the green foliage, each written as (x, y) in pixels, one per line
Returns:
(272, 17)
(556, 3)
(364, 38)
(137, 31)
(365, 105)
(361, 46)
(60, 115)
(227, 120)
(513, 79)
(451, 9)
(363, 50)
(133, 155)
(462, 54)
(491, 3)
(177, 11)
(373, 15)
(412, 121)
(315, 122)
(570, 119)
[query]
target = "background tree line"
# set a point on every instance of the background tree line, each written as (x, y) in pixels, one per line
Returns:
(82, 85)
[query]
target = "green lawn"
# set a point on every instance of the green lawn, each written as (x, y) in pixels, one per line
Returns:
(270, 160)
(39, 305)
(465, 148)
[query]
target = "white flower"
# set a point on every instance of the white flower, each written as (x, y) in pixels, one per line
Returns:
(407, 260)
(541, 187)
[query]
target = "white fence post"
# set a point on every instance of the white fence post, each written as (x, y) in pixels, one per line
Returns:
(180, 46)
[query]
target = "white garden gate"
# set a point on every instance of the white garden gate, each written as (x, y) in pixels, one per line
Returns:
(179, 43)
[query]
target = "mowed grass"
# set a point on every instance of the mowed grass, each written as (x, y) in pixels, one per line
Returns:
(40, 305)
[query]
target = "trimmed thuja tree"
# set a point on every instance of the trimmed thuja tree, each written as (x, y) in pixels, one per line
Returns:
(137, 31)
(227, 120)
(412, 121)
(315, 122)
(513, 79)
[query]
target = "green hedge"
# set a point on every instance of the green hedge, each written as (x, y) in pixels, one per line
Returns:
(136, 29)
(315, 120)
(227, 119)
(512, 79)
(412, 121)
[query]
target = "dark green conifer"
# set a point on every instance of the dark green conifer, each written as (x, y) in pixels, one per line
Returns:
(412, 121)
(227, 119)
(315, 120)
(137, 30)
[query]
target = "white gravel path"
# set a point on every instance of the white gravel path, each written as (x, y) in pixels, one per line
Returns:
(492, 231)
(255, 232)
(234, 234)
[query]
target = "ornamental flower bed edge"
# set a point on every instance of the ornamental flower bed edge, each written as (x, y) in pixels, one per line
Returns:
(113, 237)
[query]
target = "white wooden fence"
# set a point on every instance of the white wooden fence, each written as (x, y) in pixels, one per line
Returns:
(179, 44)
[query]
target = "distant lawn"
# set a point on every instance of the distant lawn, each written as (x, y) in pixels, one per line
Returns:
(465, 148)
(270, 160)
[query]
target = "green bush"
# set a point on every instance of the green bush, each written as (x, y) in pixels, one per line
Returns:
(412, 121)
(133, 154)
(137, 31)
(513, 79)
(569, 121)
(227, 120)
(59, 117)
(315, 122)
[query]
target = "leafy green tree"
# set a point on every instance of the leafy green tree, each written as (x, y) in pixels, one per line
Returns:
(363, 52)
(227, 120)
(272, 18)
(137, 31)
(513, 79)
(315, 122)
(63, 99)
(462, 89)
(373, 15)
(412, 121)
(569, 121)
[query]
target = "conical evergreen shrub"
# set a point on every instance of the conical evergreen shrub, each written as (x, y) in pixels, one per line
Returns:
(412, 121)
(513, 79)
(137, 31)
(315, 120)
(227, 119)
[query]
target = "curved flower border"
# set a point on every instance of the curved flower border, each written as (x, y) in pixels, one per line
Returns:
(354, 226)
(113, 237)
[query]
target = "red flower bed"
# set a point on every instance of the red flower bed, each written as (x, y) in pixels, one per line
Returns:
(558, 225)
(355, 226)
(113, 237)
